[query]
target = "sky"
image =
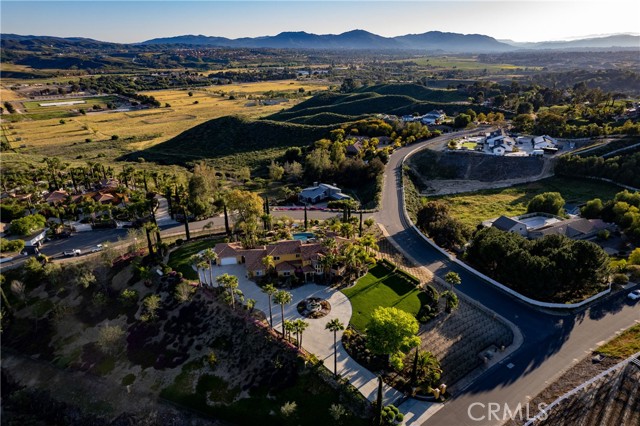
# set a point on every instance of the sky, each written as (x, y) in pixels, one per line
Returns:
(136, 21)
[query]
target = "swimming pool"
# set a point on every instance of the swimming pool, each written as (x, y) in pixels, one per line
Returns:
(303, 236)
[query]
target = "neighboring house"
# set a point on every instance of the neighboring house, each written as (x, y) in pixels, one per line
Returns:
(321, 192)
(498, 142)
(508, 224)
(433, 117)
(56, 197)
(354, 148)
(409, 118)
(109, 183)
(577, 228)
(291, 258)
(36, 239)
(543, 142)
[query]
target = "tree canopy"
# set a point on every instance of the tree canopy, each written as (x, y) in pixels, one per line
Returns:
(547, 202)
(392, 332)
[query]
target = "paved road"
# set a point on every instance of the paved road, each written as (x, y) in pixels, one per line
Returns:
(551, 342)
(85, 241)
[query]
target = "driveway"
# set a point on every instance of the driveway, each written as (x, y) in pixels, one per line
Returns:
(319, 341)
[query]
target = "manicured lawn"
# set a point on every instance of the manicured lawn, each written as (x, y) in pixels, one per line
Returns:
(472, 208)
(381, 287)
(180, 261)
(623, 346)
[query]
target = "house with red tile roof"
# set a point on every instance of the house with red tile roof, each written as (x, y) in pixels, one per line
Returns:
(291, 258)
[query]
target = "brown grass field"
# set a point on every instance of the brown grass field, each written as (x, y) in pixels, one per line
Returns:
(142, 128)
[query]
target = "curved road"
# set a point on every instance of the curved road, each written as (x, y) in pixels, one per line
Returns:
(552, 342)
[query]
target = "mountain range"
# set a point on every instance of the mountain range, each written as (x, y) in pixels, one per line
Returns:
(431, 41)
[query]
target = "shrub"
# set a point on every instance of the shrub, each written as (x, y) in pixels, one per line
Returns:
(620, 279)
(11, 245)
(634, 272)
(212, 359)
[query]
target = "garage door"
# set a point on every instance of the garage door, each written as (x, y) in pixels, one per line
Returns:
(228, 261)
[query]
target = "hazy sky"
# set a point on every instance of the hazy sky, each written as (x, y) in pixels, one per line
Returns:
(133, 21)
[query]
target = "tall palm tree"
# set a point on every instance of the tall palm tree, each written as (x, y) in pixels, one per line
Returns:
(210, 257)
(270, 291)
(452, 279)
(230, 283)
(335, 325)
(201, 266)
(282, 297)
(300, 326)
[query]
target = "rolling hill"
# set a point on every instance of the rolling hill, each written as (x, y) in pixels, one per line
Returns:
(397, 99)
(232, 141)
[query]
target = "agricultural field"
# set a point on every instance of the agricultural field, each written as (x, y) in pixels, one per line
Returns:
(460, 63)
(473, 208)
(88, 137)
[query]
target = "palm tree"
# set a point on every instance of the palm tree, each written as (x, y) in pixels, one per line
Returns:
(269, 264)
(300, 326)
(210, 257)
(282, 297)
(289, 327)
(270, 291)
(452, 279)
(335, 325)
(202, 265)
(369, 243)
(230, 283)
(148, 228)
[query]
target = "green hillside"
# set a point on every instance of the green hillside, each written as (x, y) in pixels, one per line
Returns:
(417, 92)
(326, 118)
(396, 99)
(232, 141)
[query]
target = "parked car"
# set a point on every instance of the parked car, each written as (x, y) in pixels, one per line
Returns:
(634, 295)
(74, 252)
(97, 248)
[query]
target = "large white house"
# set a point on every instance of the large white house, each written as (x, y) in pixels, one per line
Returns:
(320, 192)
(498, 143)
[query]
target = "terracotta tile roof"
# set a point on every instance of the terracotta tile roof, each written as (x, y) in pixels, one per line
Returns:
(253, 259)
(307, 251)
(57, 196)
(284, 247)
(227, 249)
(102, 198)
(285, 266)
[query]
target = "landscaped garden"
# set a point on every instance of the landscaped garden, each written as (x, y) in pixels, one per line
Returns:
(158, 336)
(383, 287)
(181, 259)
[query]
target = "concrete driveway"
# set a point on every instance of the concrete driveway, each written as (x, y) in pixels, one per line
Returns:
(319, 341)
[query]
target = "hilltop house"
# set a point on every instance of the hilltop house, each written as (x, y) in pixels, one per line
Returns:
(433, 117)
(56, 197)
(291, 258)
(321, 192)
(498, 142)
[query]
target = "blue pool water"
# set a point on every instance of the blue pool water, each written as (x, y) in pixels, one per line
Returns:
(303, 236)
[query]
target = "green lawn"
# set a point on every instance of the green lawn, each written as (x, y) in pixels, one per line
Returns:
(179, 259)
(472, 208)
(381, 287)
